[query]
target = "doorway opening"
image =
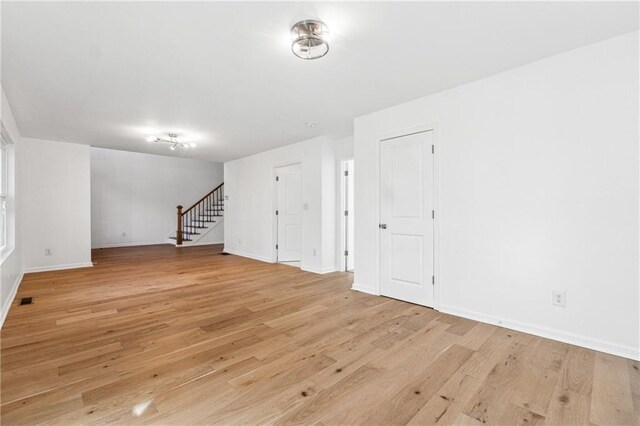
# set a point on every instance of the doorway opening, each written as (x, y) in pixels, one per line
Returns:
(288, 214)
(347, 222)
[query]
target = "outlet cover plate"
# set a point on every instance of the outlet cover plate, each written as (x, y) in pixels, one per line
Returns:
(559, 298)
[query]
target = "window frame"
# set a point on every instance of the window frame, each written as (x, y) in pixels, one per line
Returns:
(5, 143)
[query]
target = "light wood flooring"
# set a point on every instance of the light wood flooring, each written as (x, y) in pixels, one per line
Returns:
(188, 336)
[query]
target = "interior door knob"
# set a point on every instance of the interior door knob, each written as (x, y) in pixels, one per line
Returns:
(382, 226)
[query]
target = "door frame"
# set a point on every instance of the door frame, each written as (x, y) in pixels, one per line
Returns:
(343, 192)
(274, 207)
(428, 127)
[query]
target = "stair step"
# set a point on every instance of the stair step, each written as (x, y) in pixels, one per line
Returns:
(184, 239)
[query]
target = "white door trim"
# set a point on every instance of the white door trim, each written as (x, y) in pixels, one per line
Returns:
(342, 220)
(436, 203)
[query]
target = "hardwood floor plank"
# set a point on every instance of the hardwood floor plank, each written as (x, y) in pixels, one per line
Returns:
(418, 391)
(535, 389)
(496, 392)
(464, 420)
(611, 400)
(446, 405)
(567, 407)
(519, 416)
(577, 371)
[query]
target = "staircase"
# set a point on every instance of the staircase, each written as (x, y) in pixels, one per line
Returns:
(196, 221)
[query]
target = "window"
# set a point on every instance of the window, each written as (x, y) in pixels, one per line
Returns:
(4, 177)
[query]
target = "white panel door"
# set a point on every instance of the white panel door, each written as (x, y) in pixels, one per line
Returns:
(289, 213)
(406, 223)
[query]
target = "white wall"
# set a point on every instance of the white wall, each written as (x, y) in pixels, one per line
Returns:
(11, 257)
(137, 194)
(538, 191)
(55, 205)
(249, 220)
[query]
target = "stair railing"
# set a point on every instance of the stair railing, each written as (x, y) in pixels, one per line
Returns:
(204, 210)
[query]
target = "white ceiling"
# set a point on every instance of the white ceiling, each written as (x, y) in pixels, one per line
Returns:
(222, 74)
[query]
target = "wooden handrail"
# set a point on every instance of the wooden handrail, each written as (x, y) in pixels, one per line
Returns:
(203, 198)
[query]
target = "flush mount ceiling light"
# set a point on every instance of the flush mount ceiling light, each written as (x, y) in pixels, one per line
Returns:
(310, 39)
(173, 140)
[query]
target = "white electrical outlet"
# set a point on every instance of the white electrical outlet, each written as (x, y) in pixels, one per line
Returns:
(239, 240)
(559, 298)
(315, 252)
(48, 252)
(124, 234)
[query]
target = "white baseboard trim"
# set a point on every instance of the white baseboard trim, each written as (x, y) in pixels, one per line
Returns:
(573, 339)
(362, 289)
(201, 244)
(134, 244)
(317, 270)
(57, 267)
(7, 303)
(250, 256)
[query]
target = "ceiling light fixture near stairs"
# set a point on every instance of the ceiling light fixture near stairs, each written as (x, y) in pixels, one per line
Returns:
(310, 39)
(173, 140)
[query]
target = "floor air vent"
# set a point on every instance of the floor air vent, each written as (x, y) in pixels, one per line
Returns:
(224, 254)
(26, 301)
